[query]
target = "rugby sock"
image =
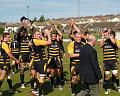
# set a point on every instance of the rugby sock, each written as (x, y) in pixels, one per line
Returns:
(117, 82)
(37, 84)
(113, 78)
(40, 89)
(47, 74)
(107, 84)
(22, 78)
(32, 83)
(73, 87)
(13, 68)
(52, 81)
(16, 65)
(9, 81)
(62, 76)
(59, 80)
(1, 81)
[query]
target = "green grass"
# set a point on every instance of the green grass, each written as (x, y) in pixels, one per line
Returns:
(56, 92)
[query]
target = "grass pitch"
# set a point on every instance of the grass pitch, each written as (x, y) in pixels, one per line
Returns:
(56, 92)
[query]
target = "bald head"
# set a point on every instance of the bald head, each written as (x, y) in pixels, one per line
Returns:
(92, 40)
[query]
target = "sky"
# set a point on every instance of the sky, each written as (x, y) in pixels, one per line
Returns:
(13, 10)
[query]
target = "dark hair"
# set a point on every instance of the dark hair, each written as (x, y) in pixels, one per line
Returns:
(86, 33)
(29, 20)
(23, 18)
(5, 35)
(105, 31)
(113, 33)
(74, 32)
(54, 33)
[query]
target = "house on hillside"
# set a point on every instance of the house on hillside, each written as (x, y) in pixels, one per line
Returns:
(115, 19)
(12, 27)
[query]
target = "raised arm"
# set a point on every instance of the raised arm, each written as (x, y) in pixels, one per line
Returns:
(102, 42)
(48, 37)
(74, 25)
(59, 32)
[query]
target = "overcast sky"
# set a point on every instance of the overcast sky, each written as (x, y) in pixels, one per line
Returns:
(12, 10)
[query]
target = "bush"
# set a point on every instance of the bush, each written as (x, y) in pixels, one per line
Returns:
(2, 30)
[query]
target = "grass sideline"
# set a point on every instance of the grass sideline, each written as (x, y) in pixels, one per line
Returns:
(66, 90)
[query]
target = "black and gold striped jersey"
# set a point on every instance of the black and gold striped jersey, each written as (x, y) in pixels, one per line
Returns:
(54, 49)
(24, 46)
(109, 51)
(4, 50)
(15, 47)
(74, 47)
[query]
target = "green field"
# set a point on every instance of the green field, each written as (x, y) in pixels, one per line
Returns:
(66, 90)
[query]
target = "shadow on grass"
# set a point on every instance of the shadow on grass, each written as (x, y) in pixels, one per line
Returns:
(15, 89)
(47, 88)
(112, 85)
(47, 85)
(8, 93)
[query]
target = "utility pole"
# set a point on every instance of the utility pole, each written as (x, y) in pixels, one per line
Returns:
(78, 11)
(27, 7)
(78, 8)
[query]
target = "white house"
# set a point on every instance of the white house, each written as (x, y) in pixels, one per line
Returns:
(11, 29)
(115, 19)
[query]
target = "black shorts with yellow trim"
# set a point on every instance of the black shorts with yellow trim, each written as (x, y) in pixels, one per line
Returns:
(40, 66)
(110, 65)
(54, 62)
(74, 69)
(25, 57)
(5, 67)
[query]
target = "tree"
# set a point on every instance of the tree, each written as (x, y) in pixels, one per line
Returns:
(42, 18)
(48, 19)
(2, 30)
(35, 19)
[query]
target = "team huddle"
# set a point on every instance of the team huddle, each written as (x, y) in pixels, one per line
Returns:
(41, 52)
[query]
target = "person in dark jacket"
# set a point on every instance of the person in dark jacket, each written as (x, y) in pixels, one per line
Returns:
(90, 73)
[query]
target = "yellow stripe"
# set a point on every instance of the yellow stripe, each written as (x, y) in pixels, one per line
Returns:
(24, 51)
(108, 52)
(2, 62)
(53, 48)
(108, 49)
(24, 48)
(109, 55)
(76, 60)
(49, 60)
(37, 60)
(44, 58)
(59, 59)
(45, 66)
(54, 51)
(15, 52)
(31, 62)
(72, 69)
(20, 57)
(109, 58)
(53, 54)
(5, 62)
